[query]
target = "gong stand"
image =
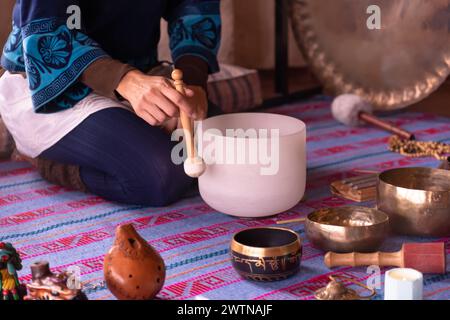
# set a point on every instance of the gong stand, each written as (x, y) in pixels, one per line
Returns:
(281, 47)
(282, 60)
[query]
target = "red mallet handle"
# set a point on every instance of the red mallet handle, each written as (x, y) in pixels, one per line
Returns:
(377, 122)
(424, 257)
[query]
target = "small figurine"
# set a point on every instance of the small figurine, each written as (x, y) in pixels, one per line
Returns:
(133, 269)
(336, 290)
(10, 263)
(47, 285)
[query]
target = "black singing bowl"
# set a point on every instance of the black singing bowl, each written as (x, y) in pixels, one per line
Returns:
(266, 254)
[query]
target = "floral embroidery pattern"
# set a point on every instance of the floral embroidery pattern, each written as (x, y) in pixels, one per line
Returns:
(195, 29)
(178, 32)
(14, 40)
(12, 58)
(34, 77)
(55, 50)
(205, 32)
(53, 57)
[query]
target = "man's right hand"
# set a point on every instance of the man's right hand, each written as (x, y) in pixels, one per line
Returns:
(154, 98)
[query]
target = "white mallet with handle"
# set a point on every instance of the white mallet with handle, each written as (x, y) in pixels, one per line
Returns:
(352, 110)
(194, 166)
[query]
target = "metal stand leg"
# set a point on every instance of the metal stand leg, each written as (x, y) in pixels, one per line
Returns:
(281, 47)
(282, 61)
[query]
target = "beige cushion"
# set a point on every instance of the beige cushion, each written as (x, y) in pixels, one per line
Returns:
(235, 89)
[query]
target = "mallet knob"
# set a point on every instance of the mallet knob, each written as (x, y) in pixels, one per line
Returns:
(177, 75)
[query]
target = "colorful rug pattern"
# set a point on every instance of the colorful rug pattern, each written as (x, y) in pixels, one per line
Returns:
(46, 222)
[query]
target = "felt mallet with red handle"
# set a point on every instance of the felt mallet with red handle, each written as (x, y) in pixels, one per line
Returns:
(352, 110)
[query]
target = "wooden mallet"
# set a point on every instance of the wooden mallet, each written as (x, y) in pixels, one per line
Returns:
(424, 257)
(194, 166)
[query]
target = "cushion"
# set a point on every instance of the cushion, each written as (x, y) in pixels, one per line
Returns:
(235, 89)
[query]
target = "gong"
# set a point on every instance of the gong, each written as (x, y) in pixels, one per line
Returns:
(393, 54)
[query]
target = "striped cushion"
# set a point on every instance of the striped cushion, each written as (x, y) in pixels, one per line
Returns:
(235, 89)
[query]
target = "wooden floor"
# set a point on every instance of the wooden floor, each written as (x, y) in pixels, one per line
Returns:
(301, 79)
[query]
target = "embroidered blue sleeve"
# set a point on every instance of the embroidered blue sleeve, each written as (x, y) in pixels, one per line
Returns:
(195, 29)
(53, 58)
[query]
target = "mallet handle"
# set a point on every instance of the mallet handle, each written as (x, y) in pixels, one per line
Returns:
(186, 122)
(370, 118)
(382, 259)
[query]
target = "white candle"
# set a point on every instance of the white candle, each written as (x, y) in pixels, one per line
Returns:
(403, 284)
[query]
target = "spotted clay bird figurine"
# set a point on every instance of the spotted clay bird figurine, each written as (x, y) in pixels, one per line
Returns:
(133, 269)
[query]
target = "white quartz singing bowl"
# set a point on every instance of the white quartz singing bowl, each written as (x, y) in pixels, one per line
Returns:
(239, 188)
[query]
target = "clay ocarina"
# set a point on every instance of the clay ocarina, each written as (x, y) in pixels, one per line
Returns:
(133, 269)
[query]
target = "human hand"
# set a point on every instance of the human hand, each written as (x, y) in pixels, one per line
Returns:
(155, 99)
(199, 103)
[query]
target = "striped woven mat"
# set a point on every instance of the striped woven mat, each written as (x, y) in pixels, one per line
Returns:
(46, 222)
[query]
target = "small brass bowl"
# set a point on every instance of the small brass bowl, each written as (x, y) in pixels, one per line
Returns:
(417, 201)
(266, 254)
(347, 229)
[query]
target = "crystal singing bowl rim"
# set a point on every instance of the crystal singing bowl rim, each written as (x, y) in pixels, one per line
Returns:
(402, 178)
(268, 251)
(297, 126)
(324, 217)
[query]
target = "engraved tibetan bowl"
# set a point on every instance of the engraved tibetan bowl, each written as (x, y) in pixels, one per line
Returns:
(347, 229)
(266, 254)
(417, 200)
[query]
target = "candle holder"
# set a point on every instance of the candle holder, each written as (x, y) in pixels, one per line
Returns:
(403, 284)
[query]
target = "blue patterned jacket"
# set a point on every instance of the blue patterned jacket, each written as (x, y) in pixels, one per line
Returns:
(53, 54)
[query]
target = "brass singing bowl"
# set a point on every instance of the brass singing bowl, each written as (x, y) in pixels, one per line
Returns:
(266, 254)
(392, 67)
(347, 229)
(417, 200)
